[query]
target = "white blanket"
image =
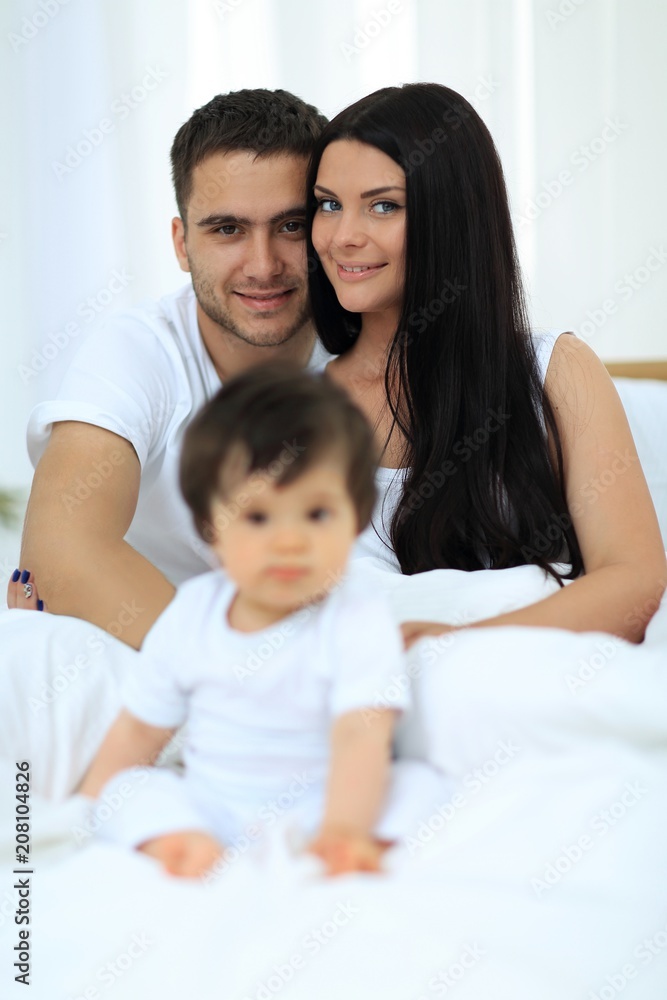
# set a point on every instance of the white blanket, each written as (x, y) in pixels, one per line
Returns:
(543, 875)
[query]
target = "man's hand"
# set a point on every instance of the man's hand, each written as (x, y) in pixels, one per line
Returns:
(344, 850)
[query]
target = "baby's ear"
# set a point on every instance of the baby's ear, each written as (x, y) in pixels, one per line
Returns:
(209, 533)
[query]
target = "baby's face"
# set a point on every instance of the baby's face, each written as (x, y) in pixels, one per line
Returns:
(285, 546)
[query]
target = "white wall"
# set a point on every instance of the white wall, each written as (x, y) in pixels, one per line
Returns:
(546, 83)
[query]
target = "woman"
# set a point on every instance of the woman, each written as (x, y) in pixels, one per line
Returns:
(490, 438)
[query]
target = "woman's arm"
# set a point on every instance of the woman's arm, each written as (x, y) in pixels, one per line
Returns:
(128, 743)
(610, 506)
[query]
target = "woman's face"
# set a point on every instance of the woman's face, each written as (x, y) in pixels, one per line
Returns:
(359, 226)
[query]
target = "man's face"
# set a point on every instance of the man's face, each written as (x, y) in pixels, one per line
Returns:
(245, 244)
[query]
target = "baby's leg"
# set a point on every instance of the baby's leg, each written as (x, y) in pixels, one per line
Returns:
(188, 853)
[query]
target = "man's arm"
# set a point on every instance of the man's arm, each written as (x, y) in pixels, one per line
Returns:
(74, 547)
(128, 743)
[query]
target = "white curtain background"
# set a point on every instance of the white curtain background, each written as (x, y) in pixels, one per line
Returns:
(573, 92)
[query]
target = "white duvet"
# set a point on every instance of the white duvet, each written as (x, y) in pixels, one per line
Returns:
(541, 875)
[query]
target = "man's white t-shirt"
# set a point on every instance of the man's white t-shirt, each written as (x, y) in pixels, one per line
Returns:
(259, 706)
(144, 375)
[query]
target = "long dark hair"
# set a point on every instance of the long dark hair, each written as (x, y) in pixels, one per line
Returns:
(462, 380)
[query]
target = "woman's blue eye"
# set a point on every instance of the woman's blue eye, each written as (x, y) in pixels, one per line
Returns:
(329, 205)
(386, 207)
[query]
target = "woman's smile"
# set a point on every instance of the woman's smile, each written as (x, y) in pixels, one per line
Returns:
(357, 272)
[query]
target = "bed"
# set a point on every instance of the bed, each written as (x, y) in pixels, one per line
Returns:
(540, 875)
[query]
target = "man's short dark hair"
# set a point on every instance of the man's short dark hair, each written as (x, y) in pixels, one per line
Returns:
(264, 122)
(282, 420)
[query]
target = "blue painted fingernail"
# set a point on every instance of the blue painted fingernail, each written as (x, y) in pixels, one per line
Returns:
(40, 605)
(15, 575)
(25, 576)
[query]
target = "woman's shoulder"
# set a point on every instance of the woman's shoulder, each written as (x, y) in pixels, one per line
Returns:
(544, 343)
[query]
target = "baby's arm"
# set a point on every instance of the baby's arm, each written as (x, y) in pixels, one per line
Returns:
(360, 756)
(128, 743)
(131, 742)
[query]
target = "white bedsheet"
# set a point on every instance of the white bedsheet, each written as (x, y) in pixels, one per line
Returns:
(542, 877)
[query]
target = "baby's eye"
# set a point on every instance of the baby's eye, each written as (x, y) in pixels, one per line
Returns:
(329, 205)
(256, 517)
(319, 513)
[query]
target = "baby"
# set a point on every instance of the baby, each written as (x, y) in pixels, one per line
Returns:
(280, 664)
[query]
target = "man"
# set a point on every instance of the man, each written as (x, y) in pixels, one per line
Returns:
(107, 536)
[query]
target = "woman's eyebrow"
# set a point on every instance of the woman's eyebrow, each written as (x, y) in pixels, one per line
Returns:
(365, 194)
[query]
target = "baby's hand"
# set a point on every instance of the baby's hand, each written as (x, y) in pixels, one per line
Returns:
(188, 853)
(344, 850)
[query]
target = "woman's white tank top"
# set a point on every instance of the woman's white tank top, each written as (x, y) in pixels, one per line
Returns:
(374, 541)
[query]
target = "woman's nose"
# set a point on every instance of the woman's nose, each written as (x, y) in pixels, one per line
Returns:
(349, 231)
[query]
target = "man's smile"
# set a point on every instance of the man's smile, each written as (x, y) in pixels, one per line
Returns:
(265, 301)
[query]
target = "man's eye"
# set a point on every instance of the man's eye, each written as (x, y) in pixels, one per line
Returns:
(294, 226)
(228, 230)
(329, 205)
